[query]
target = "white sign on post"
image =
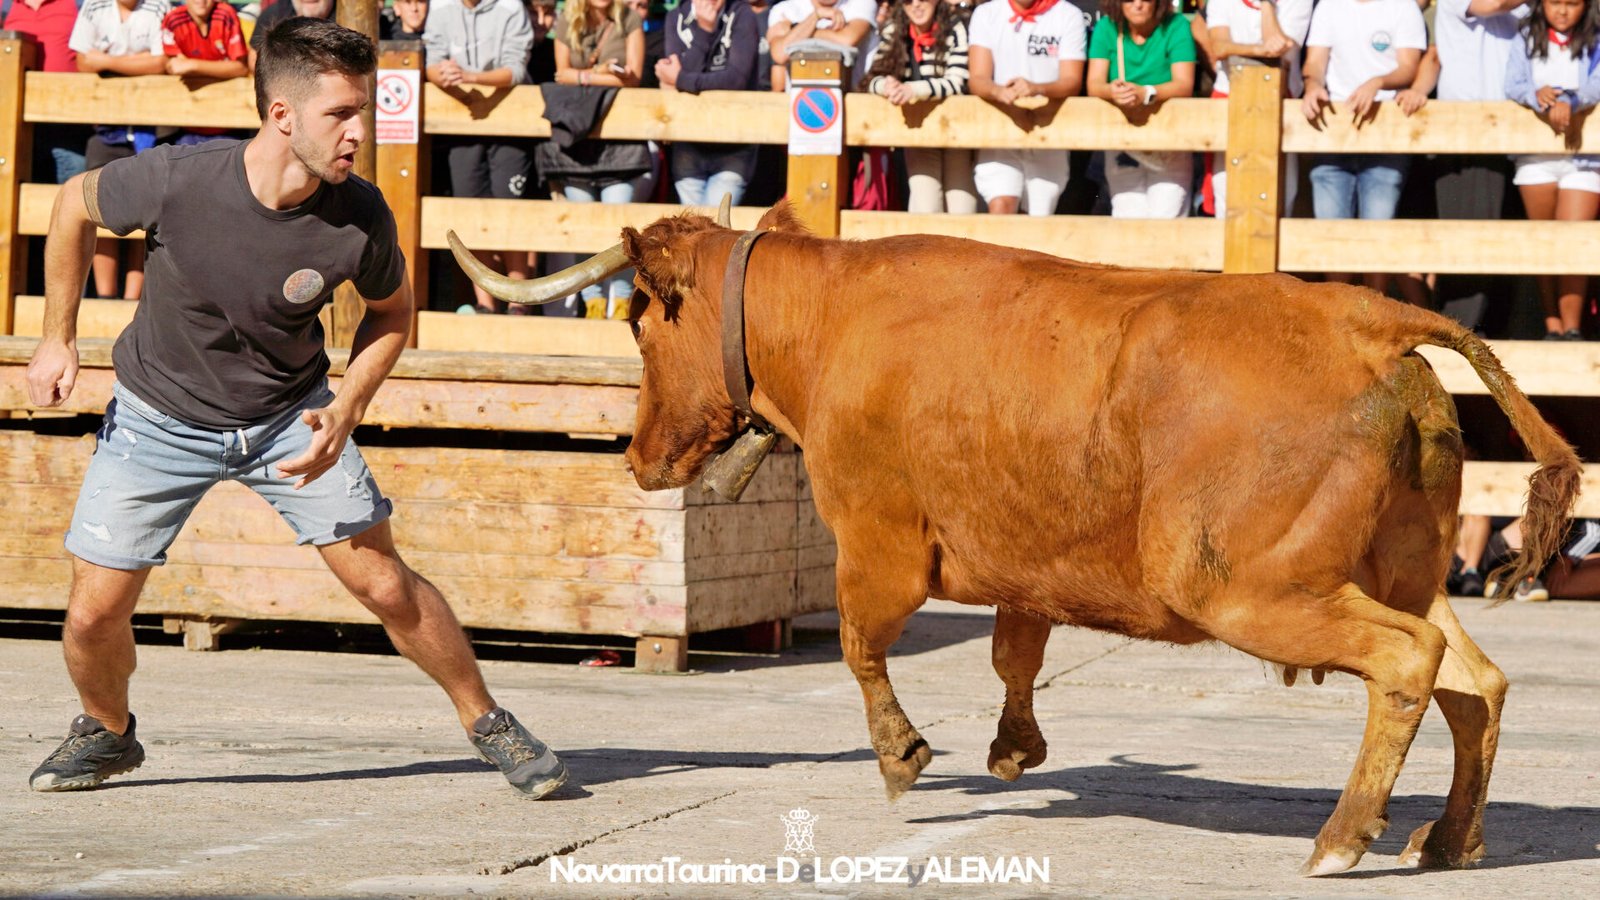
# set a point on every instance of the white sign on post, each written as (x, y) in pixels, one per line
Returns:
(816, 121)
(398, 98)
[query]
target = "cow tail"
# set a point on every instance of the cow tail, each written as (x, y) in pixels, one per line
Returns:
(1553, 487)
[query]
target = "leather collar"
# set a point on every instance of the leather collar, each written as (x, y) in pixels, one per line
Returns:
(735, 364)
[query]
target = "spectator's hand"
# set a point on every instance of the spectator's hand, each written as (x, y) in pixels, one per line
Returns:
(330, 429)
(668, 69)
(1277, 45)
(1546, 97)
(96, 60)
(705, 14)
(1560, 116)
(1004, 94)
(1022, 87)
(1411, 100)
(180, 65)
(900, 94)
(1314, 102)
(1364, 101)
(450, 74)
(830, 17)
(52, 372)
(1126, 94)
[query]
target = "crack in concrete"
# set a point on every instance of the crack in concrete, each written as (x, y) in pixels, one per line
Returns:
(1048, 682)
(578, 844)
(994, 709)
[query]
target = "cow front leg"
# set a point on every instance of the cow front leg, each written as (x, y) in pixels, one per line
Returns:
(873, 607)
(1018, 652)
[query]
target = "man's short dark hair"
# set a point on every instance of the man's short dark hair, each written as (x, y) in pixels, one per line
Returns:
(300, 49)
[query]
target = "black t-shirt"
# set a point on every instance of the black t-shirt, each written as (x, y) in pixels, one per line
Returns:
(277, 12)
(227, 334)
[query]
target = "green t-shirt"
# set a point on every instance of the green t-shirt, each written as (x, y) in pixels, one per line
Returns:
(1150, 62)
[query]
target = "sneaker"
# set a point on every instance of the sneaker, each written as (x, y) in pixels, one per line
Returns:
(1572, 334)
(528, 764)
(1531, 590)
(1471, 584)
(88, 756)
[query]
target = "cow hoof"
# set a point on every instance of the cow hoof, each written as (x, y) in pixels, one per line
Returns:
(1329, 862)
(900, 774)
(1422, 853)
(1006, 761)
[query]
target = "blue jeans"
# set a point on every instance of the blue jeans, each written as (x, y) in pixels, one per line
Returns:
(705, 173)
(1357, 185)
(149, 470)
(620, 286)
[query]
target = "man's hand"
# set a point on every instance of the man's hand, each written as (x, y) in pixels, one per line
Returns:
(52, 373)
(1314, 102)
(1022, 87)
(1126, 94)
(330, 429)
(179, 65)
(1410, 101)
(668, 69)
(451, 74)
(1546, 97)
(1277, 45)
(1363, 101)
(1560, 116)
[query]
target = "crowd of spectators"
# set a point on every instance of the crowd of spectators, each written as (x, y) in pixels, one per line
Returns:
(1341, 58)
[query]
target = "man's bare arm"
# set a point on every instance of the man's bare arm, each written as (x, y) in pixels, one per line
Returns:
(67, 250)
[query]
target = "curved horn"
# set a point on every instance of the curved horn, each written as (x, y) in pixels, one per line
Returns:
(725, 211)
(539, 290)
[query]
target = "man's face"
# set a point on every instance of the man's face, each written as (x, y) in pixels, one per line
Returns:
(412, 13)
(316, 9)
(326, 127)
(200, 10)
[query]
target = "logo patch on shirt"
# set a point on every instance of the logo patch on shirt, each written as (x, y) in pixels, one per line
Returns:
(1044, 45)
(303, 286)
(1382, 41)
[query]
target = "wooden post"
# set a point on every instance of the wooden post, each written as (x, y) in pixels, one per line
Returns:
(1255, 137)
(402, 176)
(817, 183)
(16, 151)
(362, 16)
(662, 655)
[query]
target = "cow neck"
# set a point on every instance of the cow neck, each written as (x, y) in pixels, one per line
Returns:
(735, 360)
(780, 328)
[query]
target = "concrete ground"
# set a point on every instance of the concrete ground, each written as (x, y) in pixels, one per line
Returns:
(1172, 772)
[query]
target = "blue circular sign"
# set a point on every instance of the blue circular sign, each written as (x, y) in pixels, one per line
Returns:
(815, 109)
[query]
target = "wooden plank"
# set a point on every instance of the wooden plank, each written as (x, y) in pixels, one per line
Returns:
(1080, 123)
(539, 335)
(1541, 368)
(148, 99)
(1185, 243)
(35, 204)
(549, 226)
(1445, 127)
(1250, 234)
(659, 654)
(735, 117)
(732, 602)
(1435, 245)
(16, 155)
(96, 318)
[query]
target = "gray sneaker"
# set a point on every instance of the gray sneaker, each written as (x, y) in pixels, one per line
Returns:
(528, 764)
(88, 756)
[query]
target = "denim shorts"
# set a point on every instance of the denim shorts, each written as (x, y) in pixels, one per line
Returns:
(150, 469)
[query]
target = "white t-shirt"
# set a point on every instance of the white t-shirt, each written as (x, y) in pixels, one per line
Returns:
(1242, 18)
(1559, 69)
(1363, 37)
(796, 11)
(1473, 51)
(100, 26)
(1032, 50)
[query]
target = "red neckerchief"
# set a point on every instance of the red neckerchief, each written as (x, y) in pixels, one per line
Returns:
(922, 42)
(1559, 39)
(1253, 4)
(1039, 8)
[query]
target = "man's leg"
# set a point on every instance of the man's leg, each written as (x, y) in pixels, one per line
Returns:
(415, 615)
(98, 639)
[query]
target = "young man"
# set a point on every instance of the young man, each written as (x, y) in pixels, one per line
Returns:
(222, 375)
(203, 39)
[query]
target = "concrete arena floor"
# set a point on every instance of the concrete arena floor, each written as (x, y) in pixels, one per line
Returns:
(1172, 772)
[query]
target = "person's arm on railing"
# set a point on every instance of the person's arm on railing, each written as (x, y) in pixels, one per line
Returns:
(1363, 98)
(980, 65)
(1069, 82)
(67, 250)
(1315, 99)
(1415, 97)
(511, 64)
(206, 68)
(133, 64)
(954, 80)
(1519, 80)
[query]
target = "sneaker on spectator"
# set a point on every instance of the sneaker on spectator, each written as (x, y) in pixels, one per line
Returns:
(1572, 334)
(88, 756)
(527, 763)
(1471, 584)
(1531, 590)
(467, 309)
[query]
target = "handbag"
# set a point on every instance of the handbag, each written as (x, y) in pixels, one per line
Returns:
(873, 188)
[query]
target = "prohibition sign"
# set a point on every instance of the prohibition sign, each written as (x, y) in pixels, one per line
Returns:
(393, 95)
(815, 110)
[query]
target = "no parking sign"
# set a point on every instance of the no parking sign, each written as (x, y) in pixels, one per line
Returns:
(816, 121)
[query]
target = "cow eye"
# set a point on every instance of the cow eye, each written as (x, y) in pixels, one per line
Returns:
(633, 325)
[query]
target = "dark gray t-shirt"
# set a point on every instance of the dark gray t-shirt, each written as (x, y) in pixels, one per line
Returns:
(227, 334)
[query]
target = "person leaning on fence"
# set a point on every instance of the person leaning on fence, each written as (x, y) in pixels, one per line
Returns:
(118, 37)
(711, 45)
(203, 39)
(482, 42)
(405, 20)
(280, 10)
(1020, 50)
(1260, 29)
(222, 376)
(842, 23)
(57, 148)
(1359, 52)
(1555, 71)
(923, 57)
(1141, 54)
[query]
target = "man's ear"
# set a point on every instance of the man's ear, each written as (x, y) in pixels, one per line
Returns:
(281, 116)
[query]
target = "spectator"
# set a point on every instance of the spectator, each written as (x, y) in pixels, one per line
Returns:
(711, 45)
(1553, 72)
(1263, 31)
(1019, 50)
(601, 43)
(286, 9)
(1141, 54)
(403, 21)
(842, 23)
(923, 56)
(1360, 52)
(1575, 573)
(118, 37)
(542, 60)
(204, 39)
(482, 42)
(763, 11)
(57, 149)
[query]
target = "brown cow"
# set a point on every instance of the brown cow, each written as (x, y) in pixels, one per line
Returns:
(1175, 456)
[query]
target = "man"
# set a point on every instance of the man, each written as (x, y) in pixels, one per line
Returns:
(274, 13)
(222, 375)
(57, 148)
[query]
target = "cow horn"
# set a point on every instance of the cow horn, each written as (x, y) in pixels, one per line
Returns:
(725, 211)
(539, 290)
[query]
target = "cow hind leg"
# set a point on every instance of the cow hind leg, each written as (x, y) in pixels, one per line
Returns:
(1398, 656)
(1019, 640)
(1470, 692)
(875, 599)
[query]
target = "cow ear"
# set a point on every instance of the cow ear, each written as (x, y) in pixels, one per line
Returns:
(664, 259)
